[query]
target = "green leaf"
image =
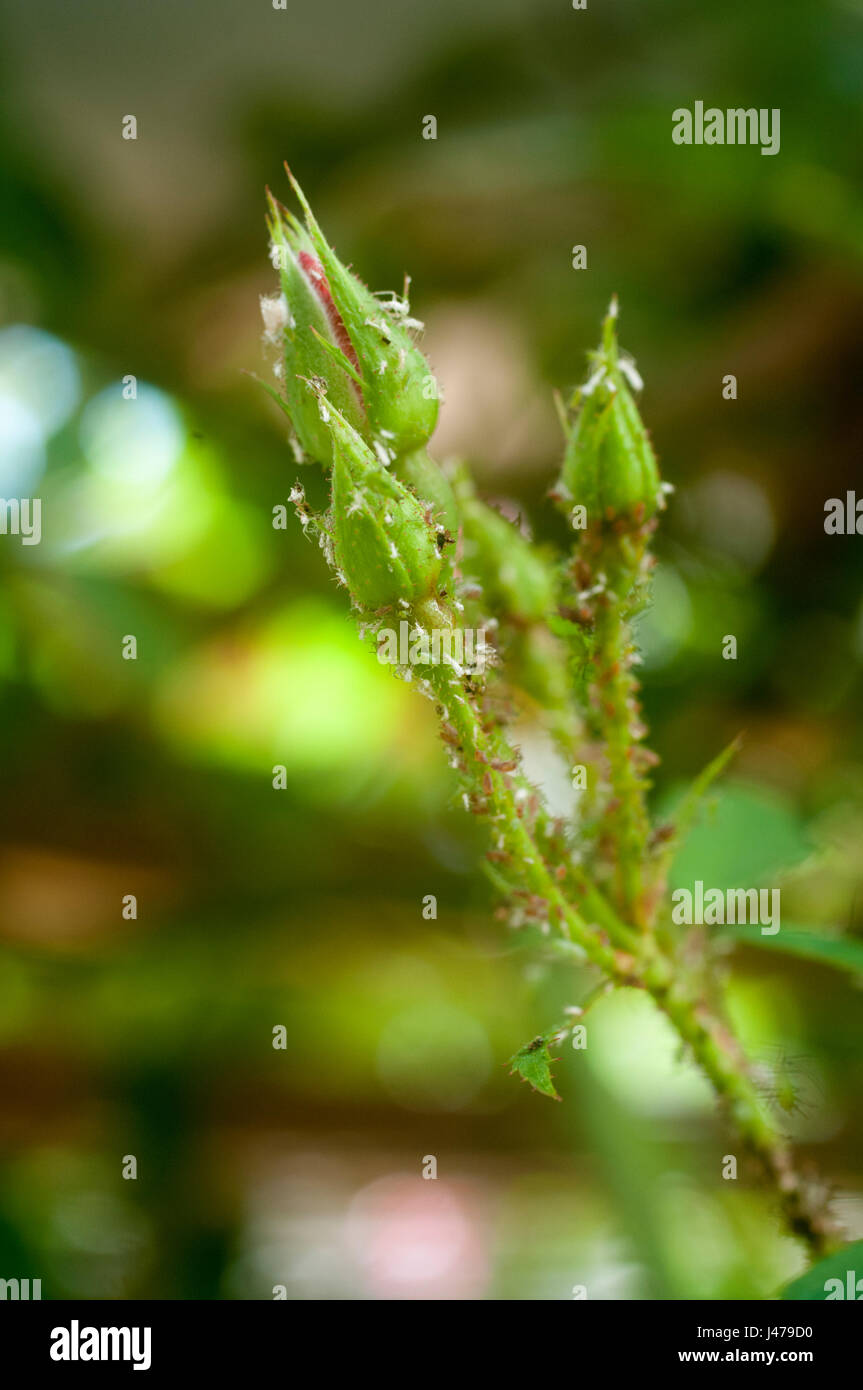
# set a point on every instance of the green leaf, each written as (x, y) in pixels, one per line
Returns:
(810, 1286)
(533, 1064)
(750, 836)
(842, 952)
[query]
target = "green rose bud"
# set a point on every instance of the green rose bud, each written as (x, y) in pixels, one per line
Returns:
(385, 544)
(303, 325)
(513, 575)
(609, 466)
(337, 331)
(429, 482)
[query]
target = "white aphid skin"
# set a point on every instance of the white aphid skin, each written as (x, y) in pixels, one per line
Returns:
(631, 372)
(385, 455)
(593, 381)
(326, 545)
(306, 519)
(392, 304)
(276, 316)
(582, 594)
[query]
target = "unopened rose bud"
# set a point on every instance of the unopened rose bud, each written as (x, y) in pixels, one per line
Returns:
(305, 325)
(385, 543)
(609, 465)
(361, 348)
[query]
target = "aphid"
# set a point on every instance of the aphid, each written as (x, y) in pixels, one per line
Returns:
(788, 1082)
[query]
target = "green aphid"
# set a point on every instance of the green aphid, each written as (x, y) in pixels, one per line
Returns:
(786, 1092)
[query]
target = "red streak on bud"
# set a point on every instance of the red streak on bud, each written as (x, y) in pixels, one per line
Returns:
(314, 273)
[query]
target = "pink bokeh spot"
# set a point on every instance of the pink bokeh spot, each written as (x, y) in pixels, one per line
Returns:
(417, 1238)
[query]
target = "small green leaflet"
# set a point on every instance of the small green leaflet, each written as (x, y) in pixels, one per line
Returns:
(687, 810)
(533, 1064)
(810, 1287)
